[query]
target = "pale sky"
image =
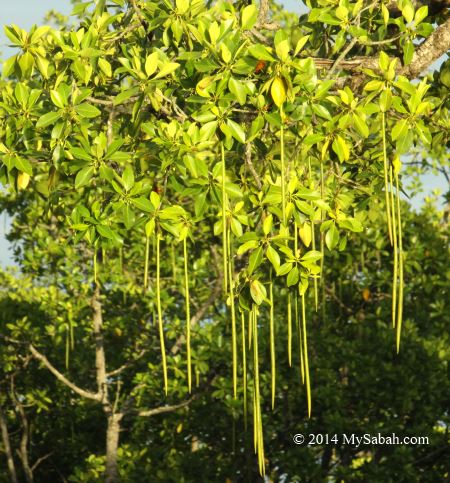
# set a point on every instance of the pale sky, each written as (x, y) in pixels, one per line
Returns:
(25, 13)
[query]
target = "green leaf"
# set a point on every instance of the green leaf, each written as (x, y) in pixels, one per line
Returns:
(150, 228)
(24, 165)
(408, 52)
(166, 70)
(47, 119)
(151, 64)
(399, 129)
(143, 204)
(321, 111)
(360, 125)
(238, 89)
(258, 291)
(341, 148)
(87, 110)
(255, 260)
(26, 63)
(128, 178)
(125, 95)
(284, 269)
(58, 99)
(273, 257)
(267, 224)
(311, 256)
(236, 227)
(236, 130)
(83, 176)
(105, 232)
(249, 16)
(293, 277)
(332, 237)
(248, 245)
(260, 52)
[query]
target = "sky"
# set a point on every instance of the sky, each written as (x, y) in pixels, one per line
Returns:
(25, 13)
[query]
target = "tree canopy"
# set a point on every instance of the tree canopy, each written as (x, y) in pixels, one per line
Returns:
(185, 175)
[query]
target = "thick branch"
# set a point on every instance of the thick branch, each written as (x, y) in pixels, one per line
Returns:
(100, 359)
(78, 390)
(436, 45)
(164, 409)
(7, 448)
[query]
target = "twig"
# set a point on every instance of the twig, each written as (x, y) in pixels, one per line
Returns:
(248, 160)
(341, 57)
(125, 366)
(40, 460)
(164, 409)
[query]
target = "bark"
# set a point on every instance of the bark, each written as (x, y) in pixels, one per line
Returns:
(112, 445)
(7, 447)
(100, 360)
(437, 44)
(78, 390)
(434, 47)
(23, 450)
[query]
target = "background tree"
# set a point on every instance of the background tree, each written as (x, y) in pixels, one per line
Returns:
(158, 154)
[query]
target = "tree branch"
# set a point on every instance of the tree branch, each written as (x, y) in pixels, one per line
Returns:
(164, 409)
(7, 448)
(128, 364)
(100, 359)
(78, 390)
(248, 160)
(436, 45)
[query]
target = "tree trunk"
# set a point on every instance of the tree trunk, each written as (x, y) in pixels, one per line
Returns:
(7, 447)
(112, 444)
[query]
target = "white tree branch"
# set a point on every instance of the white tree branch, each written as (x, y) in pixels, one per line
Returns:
(78, 390)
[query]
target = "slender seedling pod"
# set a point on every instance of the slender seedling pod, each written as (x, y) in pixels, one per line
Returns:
(386, 183)
(283, 167)
(188, 315)
(400, 266)
(296, 317)
(289, 327)
(395, 243)
(250, 330)
(244, 368)
(272, 341)
(316, 291)
(233, 315)
(224, 221)
(305, 352)
(67, 347)
(322, 235)
(259, 431)
(95, 266)
(147, 253)
(174, 263)
(159, 309)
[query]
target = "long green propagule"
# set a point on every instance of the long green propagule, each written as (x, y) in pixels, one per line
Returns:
(188, 314)
(159, 309)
